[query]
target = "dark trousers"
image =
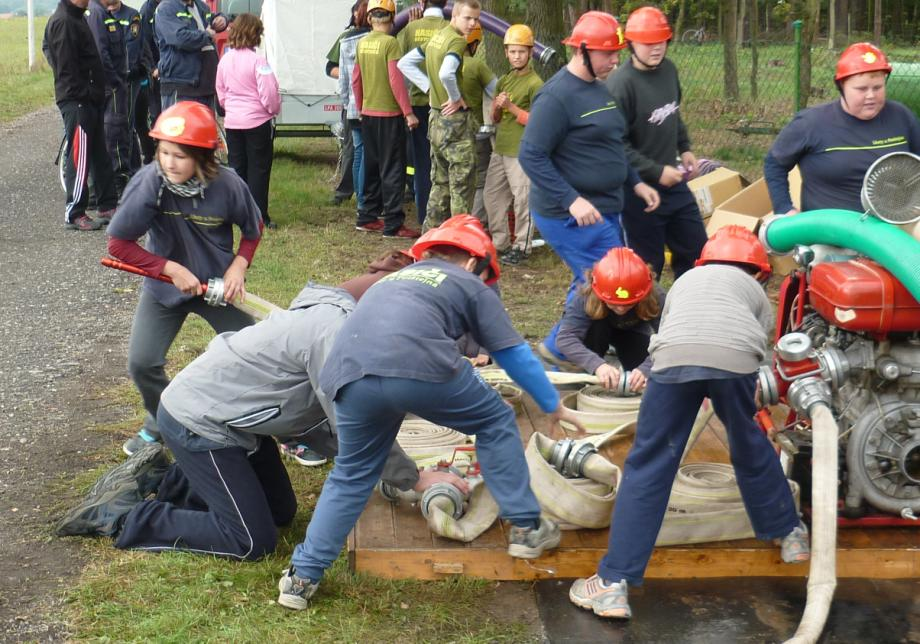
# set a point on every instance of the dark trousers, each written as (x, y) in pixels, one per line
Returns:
(118, 132)
(86, 154)
(384, 171)
(168, 99)
(152, 333)
(631, 345)
(676, 222)
(143, 118)
(345, 170)
(421, 160)
(251, 153)
(665, 419)
(222, 502)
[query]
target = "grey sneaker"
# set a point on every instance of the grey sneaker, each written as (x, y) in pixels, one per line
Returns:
(794, 546)
(143, 437)
(527, 543)
(102, 512)
(605, 600)
(294, 592)
(145, 467)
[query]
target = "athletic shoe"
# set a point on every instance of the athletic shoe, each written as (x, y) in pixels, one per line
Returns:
(529, 543)
(294, 592)
(403, 232)
(512, 257)
(146, 467)
(794, 546)
(302, 454)
(375, 226)
(83, 222)
(606, 600)
(143, 437)
(101, 514)
(105, 216)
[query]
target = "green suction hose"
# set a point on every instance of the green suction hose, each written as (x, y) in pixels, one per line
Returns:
(880, 241)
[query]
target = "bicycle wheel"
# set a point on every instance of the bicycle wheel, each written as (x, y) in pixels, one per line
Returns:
(59, 162)
(692, 37)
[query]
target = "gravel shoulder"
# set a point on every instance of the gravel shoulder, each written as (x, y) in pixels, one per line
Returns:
(64, 323)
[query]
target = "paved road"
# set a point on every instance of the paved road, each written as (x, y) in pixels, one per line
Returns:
(63, 328)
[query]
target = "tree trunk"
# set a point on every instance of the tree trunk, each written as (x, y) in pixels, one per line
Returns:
(728, 14)
(877, 23)
(681, 17)
(547, 19)
(755, 36)
(810, 21)
(831, 23)
(739, 33)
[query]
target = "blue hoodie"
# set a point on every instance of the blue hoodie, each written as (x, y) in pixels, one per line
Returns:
(180, 41)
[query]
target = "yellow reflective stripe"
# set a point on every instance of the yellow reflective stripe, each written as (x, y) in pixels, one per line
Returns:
(603, 109)
(183, 14)
(865, 147)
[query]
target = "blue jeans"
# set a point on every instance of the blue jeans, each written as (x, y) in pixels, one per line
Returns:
(357, 165)
(170, 99)
(580, 247)
(368, 414)
(665, 419)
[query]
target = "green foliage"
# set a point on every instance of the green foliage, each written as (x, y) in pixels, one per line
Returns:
(22, 91)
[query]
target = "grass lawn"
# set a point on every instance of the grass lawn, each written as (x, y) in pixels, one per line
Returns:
(180, 597)
(22, 91)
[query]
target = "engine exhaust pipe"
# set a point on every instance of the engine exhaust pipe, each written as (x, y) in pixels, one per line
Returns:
(812, 398)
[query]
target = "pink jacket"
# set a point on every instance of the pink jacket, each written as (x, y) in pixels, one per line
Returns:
(247, 89)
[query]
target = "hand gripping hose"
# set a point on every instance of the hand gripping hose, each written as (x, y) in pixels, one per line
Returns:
(214, 291)
(889, 245)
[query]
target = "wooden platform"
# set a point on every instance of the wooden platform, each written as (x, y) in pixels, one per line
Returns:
(394, 542)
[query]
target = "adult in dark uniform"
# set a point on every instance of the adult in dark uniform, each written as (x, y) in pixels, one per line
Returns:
(835, 143)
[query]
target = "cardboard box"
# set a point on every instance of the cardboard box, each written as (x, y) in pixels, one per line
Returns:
(748, 207)
(712, 189)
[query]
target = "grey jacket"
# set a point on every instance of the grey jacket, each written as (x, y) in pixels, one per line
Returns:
(259, 381)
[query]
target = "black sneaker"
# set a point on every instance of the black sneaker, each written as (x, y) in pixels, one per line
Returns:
(101, 513)
(146, 467)
(139, 440)
(513, 257)
(294, 592)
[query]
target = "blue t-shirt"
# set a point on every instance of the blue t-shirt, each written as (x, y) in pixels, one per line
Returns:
(833, 151)
(573, 146)
(194, 232)
(407, 326)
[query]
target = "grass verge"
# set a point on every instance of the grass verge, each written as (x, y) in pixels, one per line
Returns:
(22, 91)
(129, 596)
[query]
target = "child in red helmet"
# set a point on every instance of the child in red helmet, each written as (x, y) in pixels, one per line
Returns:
(712, 339)
(397, 354)
(187, 205)
(619, 305)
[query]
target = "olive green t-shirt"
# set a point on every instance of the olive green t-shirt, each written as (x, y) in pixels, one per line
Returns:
(334, 54)
(521, 90)
(444, 43)
(375, 51)
(476, 76)
(417, 34)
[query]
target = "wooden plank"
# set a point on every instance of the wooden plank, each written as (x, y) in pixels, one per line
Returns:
(376, 527)
(671, 563)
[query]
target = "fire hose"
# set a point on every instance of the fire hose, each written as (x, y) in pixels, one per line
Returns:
(213, 291)
(601, 410)
(811, 397)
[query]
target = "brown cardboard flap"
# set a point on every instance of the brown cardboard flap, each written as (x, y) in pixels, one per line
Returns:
(714, 188)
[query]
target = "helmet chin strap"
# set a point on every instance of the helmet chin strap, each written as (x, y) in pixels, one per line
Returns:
(644, 64)
(587, 60)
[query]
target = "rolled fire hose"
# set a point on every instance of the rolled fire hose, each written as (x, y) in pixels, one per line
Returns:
(494, 376)
(511, 394)
(427, 443)
(600, 410)
(214, 291)
(822, 574)
(444, 514)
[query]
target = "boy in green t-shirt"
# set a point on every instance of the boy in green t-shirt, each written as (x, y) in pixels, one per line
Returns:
(506, 183)
(476, 82)
(414, 35)
(383, 102)
(451, 129)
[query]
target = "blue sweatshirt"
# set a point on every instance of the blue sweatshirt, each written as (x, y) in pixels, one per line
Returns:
(573, 146)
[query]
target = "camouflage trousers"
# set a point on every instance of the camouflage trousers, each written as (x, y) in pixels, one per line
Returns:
(453, 166)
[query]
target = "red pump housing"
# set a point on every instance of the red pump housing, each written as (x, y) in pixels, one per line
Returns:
(860, 295)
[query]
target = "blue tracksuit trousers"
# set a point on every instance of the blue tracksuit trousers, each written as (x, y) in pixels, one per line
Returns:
(665, 419)
(368, 414)
(580, 247)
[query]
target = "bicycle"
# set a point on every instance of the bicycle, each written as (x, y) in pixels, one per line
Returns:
(694, 36)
